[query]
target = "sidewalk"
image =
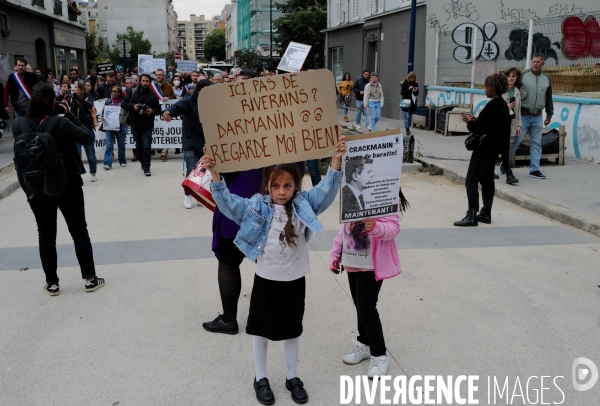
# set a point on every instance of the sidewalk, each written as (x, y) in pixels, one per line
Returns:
(570, 194)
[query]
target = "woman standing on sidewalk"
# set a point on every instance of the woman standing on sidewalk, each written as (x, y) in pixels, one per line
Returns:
(513, 100)
(373, 99)
(345, 90)
(409, 89)
(494, 123)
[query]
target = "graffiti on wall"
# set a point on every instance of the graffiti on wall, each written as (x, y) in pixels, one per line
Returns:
(580, 38)
(519, 39)
(461, 9)
(437, 25)
(563, 9)
(486, 48)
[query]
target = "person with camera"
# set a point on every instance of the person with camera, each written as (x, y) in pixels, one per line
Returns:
(142, 105)
(82, 105)
(493, 129)
(513, 100)
(66, 131)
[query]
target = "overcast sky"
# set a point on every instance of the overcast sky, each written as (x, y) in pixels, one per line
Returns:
(208, 8)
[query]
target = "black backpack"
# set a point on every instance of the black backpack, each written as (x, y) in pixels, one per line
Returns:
(38, 162)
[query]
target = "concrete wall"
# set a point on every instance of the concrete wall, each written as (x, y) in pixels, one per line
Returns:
(444, 16)
(580, 116)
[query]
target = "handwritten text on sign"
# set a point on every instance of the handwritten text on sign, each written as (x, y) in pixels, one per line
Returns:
(276, 119)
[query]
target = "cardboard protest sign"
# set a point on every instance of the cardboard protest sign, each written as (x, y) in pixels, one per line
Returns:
(294, 57)
(164, 135)
(186, 66)
(265, 121)
(371, 170)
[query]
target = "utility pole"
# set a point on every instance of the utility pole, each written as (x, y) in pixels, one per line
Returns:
(411, 43)
(271, 35)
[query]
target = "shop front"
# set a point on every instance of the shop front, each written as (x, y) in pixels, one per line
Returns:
(68, 48)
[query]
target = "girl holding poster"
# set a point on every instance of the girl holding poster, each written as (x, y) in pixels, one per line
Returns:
(274, 231)
(367, 250)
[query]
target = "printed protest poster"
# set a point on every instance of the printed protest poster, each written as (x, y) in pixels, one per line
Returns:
(111, 118)
(270, 120)
(104, 68)
(371, 170)
(294, 57)
(164, 135)
(159, 63)
(145, 64)
(186, 66)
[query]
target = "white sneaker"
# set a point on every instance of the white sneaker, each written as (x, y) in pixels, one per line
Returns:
(123, 165)
(93, 177)
(361, 352)
(106, 168)
(357, 126)
(368, 128)
(378, 366)
(187, 202)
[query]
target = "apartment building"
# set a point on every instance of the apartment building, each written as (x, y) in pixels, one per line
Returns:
(192, 35)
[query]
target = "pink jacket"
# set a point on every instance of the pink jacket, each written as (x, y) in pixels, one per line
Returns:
(385, 251)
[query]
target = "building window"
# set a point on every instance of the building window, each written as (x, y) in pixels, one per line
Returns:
(337, 63)
(355, 8)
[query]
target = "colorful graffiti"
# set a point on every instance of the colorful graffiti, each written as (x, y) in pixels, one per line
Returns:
(463, 36)
(519, 38)
(580, 38)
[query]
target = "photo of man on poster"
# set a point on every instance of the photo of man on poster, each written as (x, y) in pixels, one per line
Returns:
(357, 180)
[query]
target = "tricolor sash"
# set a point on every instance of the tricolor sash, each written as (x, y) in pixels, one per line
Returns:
(156, 90)
(22, 86)
(187, 87)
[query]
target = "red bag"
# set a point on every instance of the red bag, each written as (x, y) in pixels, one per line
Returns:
(197, 184)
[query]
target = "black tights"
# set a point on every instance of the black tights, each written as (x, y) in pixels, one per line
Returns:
(230, 279)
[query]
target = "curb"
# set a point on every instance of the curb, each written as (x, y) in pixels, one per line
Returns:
(9, 183)
(582, 221)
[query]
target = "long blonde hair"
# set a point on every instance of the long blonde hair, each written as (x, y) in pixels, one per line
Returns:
(411, 75)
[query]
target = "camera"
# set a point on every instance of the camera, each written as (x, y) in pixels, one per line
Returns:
(58, 107)
(143, 108)
(512, 112)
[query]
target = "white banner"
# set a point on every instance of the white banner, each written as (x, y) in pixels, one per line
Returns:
(159, 63)
(371, 177)
(164, 135)
(186, 66)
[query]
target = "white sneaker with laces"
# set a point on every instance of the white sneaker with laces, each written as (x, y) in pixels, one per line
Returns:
(378, 366)
(357, 126)
(187, 202)
(123, 165)
(361, 352)
(93, 177)
(106, 167)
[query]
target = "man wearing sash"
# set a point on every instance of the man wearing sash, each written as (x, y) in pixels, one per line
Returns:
(18, 88)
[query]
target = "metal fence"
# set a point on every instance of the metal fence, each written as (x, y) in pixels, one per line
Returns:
(570, 44)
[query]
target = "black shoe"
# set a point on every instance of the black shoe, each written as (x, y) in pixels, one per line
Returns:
(510, 178)
(296, 386)
(217, 326)
(52, 290)
(496, 176)
(147, 173)
(470, 220)
(484, 217)
(96, 284)
(407, 130)
(264, 394)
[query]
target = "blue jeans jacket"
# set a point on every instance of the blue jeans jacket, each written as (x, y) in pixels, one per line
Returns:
(254, 215)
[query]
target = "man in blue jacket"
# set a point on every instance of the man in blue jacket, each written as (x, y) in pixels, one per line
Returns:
(359, 91)
(192, 133)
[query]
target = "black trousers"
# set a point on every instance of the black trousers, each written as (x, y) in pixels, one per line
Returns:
(365, 293)
(143, 142)
(481, 170)
(71, 205)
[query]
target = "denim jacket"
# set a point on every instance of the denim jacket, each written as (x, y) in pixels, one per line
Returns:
(254, 215)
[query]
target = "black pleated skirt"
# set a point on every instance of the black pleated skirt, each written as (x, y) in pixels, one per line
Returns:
(276, 308)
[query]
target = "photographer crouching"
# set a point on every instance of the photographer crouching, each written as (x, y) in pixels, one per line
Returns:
(142, 105)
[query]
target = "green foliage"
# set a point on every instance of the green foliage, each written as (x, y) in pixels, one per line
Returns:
(169, 58)
(91, 50)
(214, 45)
(302, 22)
(139, 45)
(248, 58)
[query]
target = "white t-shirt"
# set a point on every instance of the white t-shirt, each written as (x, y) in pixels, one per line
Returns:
(279, 261)
(357, 246)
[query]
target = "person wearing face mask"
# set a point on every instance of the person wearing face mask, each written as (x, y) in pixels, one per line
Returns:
(177, 87)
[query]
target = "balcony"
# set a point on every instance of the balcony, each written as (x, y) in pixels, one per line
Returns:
(39, 3)
(58, 8)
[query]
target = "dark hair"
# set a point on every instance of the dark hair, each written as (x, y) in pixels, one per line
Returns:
(93, 92)
(110, 75)
(120, 90)
(403, 202)
(538, 55)
(74, 70)
(497, 82)
(356, 166)
(21, 60)
(366, 70)
(62, 77)
(350, 77)
(42, 99)
(273, 172)
(145, 75)
(514, 70)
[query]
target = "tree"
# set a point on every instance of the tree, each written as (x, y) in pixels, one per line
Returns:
(248, 58)
(139, 45)
(91, 50)
(214, 45)
(302, 22)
